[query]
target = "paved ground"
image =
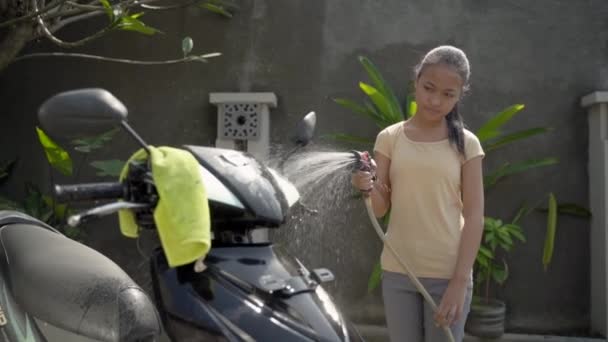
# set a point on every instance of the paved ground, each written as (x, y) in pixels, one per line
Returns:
(374, 333)
(54, 334)
(371, 334)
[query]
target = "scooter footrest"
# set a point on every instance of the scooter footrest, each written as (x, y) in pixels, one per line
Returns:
(322, 275)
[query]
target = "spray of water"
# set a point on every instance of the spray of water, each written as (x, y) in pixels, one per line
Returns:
(320, 234)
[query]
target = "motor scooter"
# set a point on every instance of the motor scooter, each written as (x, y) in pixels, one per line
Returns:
(250, 288)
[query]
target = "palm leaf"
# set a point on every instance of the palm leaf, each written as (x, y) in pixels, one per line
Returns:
(571, 209)
(513, 137)
(524, 210)
(383, 87)
(349, 138)
(359, 109)
(550, 235)
(380, 101)
(491, 129)
(508, 169)
(381, 121)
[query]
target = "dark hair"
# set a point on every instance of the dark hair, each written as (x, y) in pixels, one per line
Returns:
(455, 58)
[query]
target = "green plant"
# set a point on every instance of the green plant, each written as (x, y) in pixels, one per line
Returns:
(496, 235)
(121, 15)
(383, 108)
(44, 207)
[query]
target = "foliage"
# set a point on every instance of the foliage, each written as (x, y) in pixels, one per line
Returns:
(382, 107)
(496, 234)
(23, 24)
(44, 207)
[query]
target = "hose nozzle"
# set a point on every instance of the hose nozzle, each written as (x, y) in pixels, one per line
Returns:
(362, 161)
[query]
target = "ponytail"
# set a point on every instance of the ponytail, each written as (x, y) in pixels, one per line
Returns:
(456, 130)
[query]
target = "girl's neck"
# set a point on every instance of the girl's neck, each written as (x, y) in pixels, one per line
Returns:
(421, 123)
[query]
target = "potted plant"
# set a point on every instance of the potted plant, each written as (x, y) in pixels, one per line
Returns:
(487, 316)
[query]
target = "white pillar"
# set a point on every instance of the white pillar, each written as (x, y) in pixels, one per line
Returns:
(597, 107)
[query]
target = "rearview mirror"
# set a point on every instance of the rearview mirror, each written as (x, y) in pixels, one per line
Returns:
(305, 129)
(81, 113)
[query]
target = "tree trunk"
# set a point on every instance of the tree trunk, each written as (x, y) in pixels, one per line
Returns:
(13, 42)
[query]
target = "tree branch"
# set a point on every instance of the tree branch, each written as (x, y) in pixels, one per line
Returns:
(47, 33)
(74, 19)
(46, 9)
(201, 58)
(13, 42)
(160, 8)
(89, 6)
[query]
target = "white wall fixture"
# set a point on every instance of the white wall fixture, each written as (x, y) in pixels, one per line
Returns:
(597, 117)
(243, 121)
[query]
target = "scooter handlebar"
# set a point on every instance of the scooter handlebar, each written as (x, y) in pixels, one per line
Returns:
(90, 191)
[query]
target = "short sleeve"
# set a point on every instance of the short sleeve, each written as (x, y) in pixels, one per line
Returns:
(383, 143)
(472, 146)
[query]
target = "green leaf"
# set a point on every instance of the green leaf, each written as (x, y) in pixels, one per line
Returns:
(493, 244)
(381, 120)
(89, 144)
(361, 110)
(59, 209)
(505, 237)
(486, 252)
(385, 110)
(218, 9)
(524, 210)
(513, 137)
(550, 235)
(34, 204)
(8, 204)
(349, 138)
(108, 167)
(491, 129)
(56, 156)
(483, 261)
(375, 278)
(516, 231)
(571, 209)
(108, 9)
(500, 275)
(505, 246)
(187, 45)
(508, 169)
(489, 237)
(6, 168)
(412, 106)
(131, 23)
(382, 86)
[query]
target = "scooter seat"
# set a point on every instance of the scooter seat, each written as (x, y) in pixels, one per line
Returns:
(72, 286)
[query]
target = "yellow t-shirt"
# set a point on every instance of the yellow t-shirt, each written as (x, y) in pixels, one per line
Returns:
(426, 201)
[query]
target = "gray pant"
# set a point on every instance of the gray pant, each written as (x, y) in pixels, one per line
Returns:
(409, 317)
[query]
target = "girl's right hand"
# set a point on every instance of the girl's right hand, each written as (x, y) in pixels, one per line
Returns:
(363, 181)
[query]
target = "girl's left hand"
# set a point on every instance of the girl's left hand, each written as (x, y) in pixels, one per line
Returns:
(450, 309)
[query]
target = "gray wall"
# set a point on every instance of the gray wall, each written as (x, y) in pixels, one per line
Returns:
(545, 54)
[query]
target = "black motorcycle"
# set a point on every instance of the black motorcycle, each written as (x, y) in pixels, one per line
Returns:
(249, 290)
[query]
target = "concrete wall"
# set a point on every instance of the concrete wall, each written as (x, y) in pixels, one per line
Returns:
(544, 54)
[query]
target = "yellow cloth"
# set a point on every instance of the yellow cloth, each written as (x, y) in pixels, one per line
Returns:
(426, 201)
(182, 213)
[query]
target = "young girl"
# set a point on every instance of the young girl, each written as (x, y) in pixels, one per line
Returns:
(428, 172)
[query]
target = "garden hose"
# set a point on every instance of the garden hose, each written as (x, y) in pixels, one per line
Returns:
(413, 278)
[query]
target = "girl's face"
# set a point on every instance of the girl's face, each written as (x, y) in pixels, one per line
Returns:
(438, 89)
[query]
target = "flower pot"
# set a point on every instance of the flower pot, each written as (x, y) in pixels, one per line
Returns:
(486, 319)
